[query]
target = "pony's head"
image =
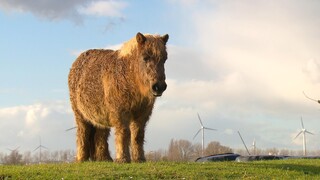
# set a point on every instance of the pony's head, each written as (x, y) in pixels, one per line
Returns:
(150, 52)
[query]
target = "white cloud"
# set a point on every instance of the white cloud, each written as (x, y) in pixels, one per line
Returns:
(22, 125)
(72, 9)
(77, 53)
(248, 67)
(113, 47)
(104, 8)
(267, 49)
(312, 70)
(258, 51)
(229, 131)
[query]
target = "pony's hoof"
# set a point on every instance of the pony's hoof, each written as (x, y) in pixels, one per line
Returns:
(122, 160)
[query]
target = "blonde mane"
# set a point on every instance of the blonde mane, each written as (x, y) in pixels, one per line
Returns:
(129, 47)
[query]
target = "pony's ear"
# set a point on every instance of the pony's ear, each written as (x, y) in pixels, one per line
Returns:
(140, 38)
(165, 38)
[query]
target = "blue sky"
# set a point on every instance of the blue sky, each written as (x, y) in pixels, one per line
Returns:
(37, 51)
(242, 66)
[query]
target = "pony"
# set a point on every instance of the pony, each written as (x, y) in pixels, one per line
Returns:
(117, 89)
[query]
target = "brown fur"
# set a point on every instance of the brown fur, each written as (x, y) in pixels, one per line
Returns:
(117, 89)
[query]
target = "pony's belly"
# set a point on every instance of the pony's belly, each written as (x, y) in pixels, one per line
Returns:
(96, 116)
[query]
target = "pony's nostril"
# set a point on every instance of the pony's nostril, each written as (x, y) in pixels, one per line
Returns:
(155, 87)
(159, 87)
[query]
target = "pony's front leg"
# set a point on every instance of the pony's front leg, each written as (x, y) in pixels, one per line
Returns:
(122, 134)
(137, 140)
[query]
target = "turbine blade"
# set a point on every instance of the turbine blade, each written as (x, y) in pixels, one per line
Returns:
(244, 143)
(200, 120)
(71, 128)
(209, 128)
(197, 133)
(302, 123)
(36, 148)
(297, 135)
(309, 132)
(318, 101)
(44, 147)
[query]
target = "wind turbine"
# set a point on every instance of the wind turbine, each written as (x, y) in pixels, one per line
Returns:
(303, 132)
(40, 147)
(202, 128)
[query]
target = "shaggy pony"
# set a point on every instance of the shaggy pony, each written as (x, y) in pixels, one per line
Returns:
(117, 89)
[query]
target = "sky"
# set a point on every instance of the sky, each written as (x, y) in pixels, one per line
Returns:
(241, 65)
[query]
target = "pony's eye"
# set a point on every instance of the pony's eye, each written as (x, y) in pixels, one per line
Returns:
(146, 58)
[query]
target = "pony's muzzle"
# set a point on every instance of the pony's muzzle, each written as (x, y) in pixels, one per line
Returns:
(158, 88)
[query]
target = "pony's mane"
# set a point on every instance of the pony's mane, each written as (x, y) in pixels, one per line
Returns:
(130, 46)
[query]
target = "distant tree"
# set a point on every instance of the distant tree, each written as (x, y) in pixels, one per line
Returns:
(292, 152)
(64, 156)
(284, 152)
(215, 147)
(186, 149)
(172, 151)
(258, 151)
(45, 156)
(197, 151)
(272, 151)
(180, 150)
(13, 158)
(27, 157)
(1, 158)
(54, 156)
(155, 156)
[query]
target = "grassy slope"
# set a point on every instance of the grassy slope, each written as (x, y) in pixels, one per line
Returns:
(278, 169)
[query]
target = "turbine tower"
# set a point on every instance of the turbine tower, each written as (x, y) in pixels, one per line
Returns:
(254, 146)
(202, 128)
(303, 132)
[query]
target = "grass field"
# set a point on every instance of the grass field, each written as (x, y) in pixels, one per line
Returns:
(276, 169)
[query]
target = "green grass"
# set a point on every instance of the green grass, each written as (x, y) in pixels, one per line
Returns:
(277, 169)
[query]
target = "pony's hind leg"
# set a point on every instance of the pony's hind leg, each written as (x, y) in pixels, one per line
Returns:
(137, 139)
(101, 149)
(83, 138)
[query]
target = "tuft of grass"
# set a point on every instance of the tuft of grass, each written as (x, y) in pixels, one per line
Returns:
(276, 169)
